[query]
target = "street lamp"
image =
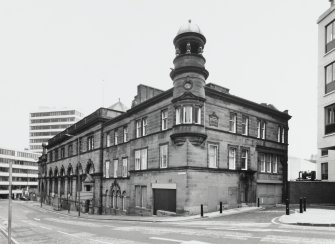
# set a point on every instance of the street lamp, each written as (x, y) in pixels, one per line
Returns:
(78, 175)
(10, 203)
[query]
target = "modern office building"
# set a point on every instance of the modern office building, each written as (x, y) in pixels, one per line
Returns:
(173, 150)
(47, 123)
(326, 95)
(24, 172)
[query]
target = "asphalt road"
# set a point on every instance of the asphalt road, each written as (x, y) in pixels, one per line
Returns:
(34, 225)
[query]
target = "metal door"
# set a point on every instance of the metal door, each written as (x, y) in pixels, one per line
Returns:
(164, 199)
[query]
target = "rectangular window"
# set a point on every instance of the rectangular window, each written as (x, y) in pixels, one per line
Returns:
(245, 125)
(144, 124)
(244, 159)
(144, 159)
(187, 115)
(116, 136)
(141, 196)
(137, 159)
(197, 115)
(124, 167)
(330, 119)
(138, 198)
(62, 152)
(141, 159)
(262, 162)
(70, 150)
(324, 171)
(232, 158)
(138, 128)
(330, 77)
(279, 134)
(232, 122)
(324, 152)
(330, 37)
(115, 164)
(125, 133)
(268, 163)
(56, 154)
(90, 143)
(163, 153)
(275, 165)
(212, 155)
(108, 139)
(80, 142)
(283, 135)
(164, 116)
(178, 115)
(258, 129)
(107, 169)
(263, 129)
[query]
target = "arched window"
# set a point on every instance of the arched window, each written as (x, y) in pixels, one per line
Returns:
(118, 200)
(113, 199)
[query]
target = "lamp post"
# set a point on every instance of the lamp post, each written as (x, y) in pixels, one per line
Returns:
(10, 204)
(78, 174)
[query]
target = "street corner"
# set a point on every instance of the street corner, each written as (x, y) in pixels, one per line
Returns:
(311, 217)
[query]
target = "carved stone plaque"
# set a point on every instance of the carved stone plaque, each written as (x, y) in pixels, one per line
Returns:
(213, 120)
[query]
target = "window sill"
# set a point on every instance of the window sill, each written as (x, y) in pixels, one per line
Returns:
(329, 52)
(329, 93)
(331, 134)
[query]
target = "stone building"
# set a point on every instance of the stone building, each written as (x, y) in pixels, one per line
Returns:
(174, 150)
(326, 95)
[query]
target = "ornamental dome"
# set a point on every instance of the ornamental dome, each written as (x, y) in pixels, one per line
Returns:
(189, 27)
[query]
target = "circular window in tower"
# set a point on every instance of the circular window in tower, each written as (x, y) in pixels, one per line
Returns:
(188, 84)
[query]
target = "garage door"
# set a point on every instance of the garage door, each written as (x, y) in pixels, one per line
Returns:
(164, 199)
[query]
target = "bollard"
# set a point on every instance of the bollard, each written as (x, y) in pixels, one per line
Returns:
(287, 207)
(202, 210)
(220, 207)
(304, 204)
(300, 205)
(257, 202)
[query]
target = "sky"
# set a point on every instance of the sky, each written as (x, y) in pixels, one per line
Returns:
(88, 54)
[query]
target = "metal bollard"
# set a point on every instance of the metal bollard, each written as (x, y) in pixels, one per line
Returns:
(257, 202)
(300, 205)
(287, 207)
(220, 207)
(304, 204)
(202, 210)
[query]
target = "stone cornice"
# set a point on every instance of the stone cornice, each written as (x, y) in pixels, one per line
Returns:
(246, 103)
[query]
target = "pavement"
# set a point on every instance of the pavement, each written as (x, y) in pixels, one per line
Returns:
(312, 217)
(146, 218)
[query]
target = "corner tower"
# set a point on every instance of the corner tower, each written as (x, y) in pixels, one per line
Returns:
(189, 76)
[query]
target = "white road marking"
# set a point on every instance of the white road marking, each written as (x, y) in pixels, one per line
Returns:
(165, 239)
(66, 233)
(179, 241)
(249, 229)
(110, 226)
(36, 219)
(44, 227)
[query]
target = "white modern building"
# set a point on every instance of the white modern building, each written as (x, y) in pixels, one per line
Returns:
(24, 172)
(326, 95)
(296, 165)
(46, 123)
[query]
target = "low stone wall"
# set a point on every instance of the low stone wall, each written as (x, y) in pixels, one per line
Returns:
(316, 192)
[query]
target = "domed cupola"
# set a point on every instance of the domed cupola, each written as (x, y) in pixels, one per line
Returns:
(189, 76)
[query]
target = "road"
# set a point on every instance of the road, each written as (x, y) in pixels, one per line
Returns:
(34, 225)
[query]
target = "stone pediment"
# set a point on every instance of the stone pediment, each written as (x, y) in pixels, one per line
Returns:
(188, 96)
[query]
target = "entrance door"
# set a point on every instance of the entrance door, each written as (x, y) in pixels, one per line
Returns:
(164, 199)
